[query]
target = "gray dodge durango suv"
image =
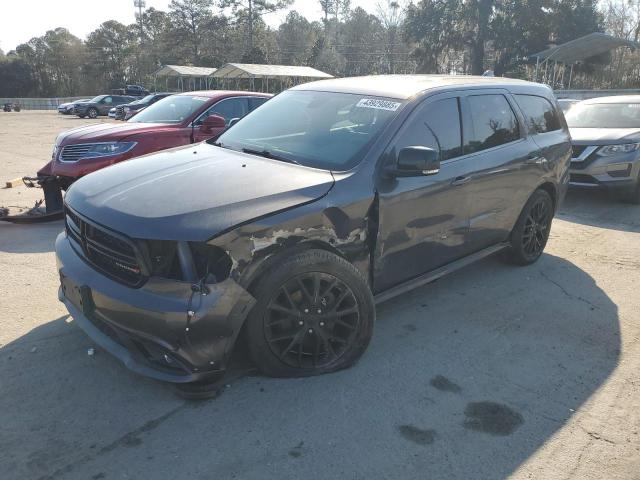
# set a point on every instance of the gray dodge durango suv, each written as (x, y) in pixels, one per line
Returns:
(292, 224)
(606, 145)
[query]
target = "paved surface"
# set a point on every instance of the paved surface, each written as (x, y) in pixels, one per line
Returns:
(492, 372)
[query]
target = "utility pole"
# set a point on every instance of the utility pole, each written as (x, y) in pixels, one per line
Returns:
(140, 5)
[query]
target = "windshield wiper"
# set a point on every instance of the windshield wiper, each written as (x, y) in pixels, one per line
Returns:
(268, 154)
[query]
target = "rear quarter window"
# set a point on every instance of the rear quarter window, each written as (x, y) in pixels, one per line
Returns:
(540, 115)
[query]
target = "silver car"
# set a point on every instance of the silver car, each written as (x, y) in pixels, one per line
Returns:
(605, 134)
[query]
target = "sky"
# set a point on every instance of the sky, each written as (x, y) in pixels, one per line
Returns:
(25, 19)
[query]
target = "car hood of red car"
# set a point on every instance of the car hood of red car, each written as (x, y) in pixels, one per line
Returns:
(107, 132)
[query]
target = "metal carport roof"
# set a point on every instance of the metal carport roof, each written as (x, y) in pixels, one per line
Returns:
(251, 70)
(183, 71)
(584, 47)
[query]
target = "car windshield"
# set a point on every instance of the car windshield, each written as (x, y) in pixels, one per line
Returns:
(96, 99)
(174, 109)
(146, 99)
(326, 130)
(604, 115)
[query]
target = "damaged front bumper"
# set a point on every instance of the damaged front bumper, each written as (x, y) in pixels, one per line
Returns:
(164, 329)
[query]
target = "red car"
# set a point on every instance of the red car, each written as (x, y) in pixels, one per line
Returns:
(171, 122)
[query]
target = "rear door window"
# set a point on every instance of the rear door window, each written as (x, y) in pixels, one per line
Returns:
(494, 122)
(436, 126)
(539, 114)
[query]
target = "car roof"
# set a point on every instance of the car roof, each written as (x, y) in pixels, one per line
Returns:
(614, 99)
(224, 93)
(407, 86)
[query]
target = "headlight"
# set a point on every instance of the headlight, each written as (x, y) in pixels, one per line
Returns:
(110, 148)
(55, 152)
(126, 109)
(618, 149)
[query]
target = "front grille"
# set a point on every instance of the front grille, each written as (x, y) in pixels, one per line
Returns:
(107, 251)
(119, 111)
(576, 150)
(73, 153)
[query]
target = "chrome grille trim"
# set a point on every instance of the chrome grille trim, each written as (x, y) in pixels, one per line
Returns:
(73, 153)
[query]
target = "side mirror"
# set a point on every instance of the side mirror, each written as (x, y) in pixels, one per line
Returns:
(213, 122)
(233, 121)
(416, 160)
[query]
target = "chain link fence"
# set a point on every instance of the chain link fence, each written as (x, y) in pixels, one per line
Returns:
(39, 103)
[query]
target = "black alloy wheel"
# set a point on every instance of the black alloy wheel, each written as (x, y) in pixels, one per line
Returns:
(536, 228)
(531, 232)
(311, 320)
(314, 314)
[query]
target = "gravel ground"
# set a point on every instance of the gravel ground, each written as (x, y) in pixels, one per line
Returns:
(493, 372)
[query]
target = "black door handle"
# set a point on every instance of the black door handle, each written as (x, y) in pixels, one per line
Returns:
(460, 180)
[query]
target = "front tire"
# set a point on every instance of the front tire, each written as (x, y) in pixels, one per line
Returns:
(633, 196)
(93, 113)
(314, 314)
(531, 232)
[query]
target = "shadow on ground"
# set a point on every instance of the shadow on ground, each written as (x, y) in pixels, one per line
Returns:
(599, 208)
(35, 238)
(465, 378)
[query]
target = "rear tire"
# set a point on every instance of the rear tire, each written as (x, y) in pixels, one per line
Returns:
(93, 113)
(314, 314)
(531, 232)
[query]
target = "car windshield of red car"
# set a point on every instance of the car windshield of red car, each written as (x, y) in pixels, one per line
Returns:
(174, 109)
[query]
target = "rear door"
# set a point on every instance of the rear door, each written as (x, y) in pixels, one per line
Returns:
(424, 220)
(547, 130)
(505, 157)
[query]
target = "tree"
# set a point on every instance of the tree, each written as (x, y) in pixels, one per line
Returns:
(249, 11)
(296, 38)
(190, 18)
(110, 49)
(362, 38)
(432, 26)
(391, 15)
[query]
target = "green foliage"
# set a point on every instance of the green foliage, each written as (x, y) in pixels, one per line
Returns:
(397, 36)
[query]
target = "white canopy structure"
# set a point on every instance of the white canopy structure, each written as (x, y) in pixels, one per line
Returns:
(248, 73)
(197, 77)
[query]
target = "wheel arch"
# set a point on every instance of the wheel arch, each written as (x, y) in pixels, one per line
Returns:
(267, 259)
(552, 190)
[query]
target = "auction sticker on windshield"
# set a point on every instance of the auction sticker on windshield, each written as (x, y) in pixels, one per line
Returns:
(378, 104)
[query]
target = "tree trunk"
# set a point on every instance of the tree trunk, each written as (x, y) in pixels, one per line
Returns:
(483, 8)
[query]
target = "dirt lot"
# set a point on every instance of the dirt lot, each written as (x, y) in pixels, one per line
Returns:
(493, 372)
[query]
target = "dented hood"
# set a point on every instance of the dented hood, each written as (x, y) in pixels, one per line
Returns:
(193, 193)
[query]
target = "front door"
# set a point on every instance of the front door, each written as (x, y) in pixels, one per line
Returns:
(228, 108)
(424, 220)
